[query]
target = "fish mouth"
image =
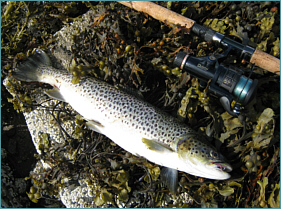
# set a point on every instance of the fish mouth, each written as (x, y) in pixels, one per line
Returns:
(221, 166)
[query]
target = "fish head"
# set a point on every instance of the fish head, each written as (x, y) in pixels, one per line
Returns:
(201, 159)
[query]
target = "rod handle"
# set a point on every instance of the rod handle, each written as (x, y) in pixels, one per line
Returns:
(160, 13)
(261, 59)
(266, 61)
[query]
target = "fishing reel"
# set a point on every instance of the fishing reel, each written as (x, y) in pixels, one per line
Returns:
(225, 82)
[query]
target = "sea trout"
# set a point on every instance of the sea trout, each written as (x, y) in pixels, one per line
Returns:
(133, 124)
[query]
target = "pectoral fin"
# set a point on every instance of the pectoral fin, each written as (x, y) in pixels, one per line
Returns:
(55, 94)
(170, 177)
(156, 146)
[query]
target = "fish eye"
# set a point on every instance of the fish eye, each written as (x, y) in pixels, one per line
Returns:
(214, 154)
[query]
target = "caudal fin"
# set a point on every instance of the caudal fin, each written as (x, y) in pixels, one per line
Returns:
(28, 70)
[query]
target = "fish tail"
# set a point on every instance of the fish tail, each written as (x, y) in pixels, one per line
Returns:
(29, 69)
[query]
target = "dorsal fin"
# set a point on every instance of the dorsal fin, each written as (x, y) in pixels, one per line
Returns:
(130, 91)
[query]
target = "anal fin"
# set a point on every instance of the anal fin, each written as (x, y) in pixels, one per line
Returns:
(55, 94)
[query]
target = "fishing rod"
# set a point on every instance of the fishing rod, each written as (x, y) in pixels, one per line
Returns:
(255, 56)
(225, 82)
